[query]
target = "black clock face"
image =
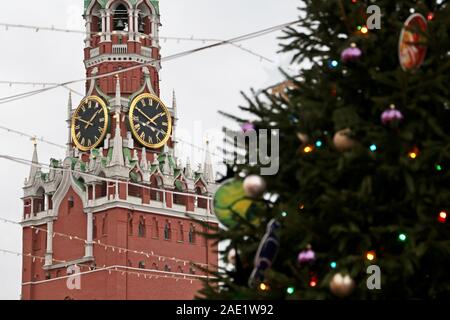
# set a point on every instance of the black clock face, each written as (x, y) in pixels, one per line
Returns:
(89, 123)
(150, 121)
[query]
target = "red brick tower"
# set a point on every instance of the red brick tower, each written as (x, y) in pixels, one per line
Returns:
(119, 217)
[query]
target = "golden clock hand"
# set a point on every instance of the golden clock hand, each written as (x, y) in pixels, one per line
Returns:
(92, 119)
(148, 118)
(157, 116)
(79, 119)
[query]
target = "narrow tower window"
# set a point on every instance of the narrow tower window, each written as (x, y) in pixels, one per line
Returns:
(142, 228)
(192, 234)
(167, 231)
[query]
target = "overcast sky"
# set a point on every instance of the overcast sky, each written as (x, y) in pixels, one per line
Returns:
(205, 83)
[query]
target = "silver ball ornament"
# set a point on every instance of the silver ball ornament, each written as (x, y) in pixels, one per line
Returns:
(254, 186)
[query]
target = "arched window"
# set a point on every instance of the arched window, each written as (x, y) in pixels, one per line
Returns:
(105, 224)
(94, 228)
(180, 232)
(155, 195)
(144, 23)
(167, 231)
(120, 18)
(142, 228)
(141, 265)
(200, 202)
(37, 240)
(102, 188)
(39, 201)
(130, 223)
(155, 228)
(192, 234)
(167, 268)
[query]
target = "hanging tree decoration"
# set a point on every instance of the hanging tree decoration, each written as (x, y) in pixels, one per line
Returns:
(307, 256)
(412, 47)
(391, 116)
(232, 204)
(351, 54)
(247, 126)
(342, 140)
(254, 186)
(266, 254)
(342, 285)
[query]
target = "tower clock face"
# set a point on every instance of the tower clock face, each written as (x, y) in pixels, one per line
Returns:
(150, 121)
(89, 123)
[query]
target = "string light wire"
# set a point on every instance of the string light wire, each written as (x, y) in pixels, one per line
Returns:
(157, 274)
(34, 84)
(141, 35)
(106, 246)
(241, 38)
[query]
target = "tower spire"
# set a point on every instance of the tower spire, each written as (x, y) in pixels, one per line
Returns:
(174, 100)
(188, 170)
(175, 119)
(118, 103)
(117, 156)
(208, 171)
(69, 120)
(35, 167)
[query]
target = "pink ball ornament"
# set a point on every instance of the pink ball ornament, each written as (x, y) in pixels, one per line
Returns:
(247, 127)
(391, 116)
(351, 54)
(306, 256)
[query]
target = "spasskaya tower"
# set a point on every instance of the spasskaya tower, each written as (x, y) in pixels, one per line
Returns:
(120, 217)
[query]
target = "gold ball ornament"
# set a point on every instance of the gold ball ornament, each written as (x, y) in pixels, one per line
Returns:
(303, 137)
(342, 285)
(342, 141)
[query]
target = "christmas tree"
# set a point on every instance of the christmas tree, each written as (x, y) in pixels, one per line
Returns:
(364, 175)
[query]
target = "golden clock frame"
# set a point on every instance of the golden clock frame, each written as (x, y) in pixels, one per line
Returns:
(132, 123)
(105, 126)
